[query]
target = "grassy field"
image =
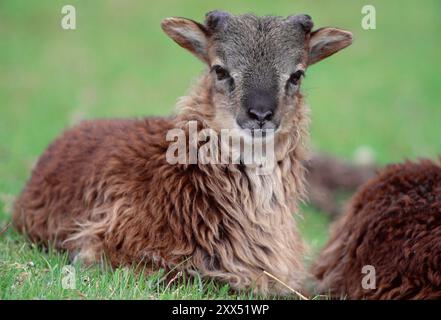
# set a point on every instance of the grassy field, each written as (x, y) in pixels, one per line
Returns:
(382, 92)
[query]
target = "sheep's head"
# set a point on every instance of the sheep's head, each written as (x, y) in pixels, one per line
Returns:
(256, 64)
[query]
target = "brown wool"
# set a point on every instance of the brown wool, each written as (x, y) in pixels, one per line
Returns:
(393, 224)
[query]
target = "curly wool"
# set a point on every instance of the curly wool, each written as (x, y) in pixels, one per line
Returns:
(393, 224)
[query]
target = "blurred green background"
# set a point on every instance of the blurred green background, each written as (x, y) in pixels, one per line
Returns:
(382, 92)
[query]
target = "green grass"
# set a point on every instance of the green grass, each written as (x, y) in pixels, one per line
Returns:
(383, 92)
(27, 273)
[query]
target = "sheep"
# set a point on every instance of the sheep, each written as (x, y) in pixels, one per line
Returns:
(392, 228)
(105, 192)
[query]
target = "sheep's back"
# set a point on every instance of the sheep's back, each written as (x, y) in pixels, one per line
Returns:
(393, 224)
(71, 175)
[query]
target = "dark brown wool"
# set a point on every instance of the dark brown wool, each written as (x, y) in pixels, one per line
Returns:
(393, 224)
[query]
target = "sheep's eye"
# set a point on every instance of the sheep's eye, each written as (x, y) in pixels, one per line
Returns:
(221, 73)
(295, 77)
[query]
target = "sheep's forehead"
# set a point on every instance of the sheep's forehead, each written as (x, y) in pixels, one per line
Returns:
(258, 43)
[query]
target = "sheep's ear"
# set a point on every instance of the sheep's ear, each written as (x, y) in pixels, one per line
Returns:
(189, 34)
(327, 41)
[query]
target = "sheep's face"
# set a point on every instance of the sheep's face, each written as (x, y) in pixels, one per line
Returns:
(256, 64)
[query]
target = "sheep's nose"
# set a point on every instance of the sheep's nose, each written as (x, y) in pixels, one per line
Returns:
(260, 116)
(260, 104)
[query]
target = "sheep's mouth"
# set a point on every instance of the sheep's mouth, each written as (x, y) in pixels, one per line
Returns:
(254, 127)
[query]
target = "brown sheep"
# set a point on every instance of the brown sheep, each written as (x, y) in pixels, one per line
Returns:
(106, 190)
(394, 225)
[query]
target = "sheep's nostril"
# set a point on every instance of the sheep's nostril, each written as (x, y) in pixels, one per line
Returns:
(268, 116)
(260, 116)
